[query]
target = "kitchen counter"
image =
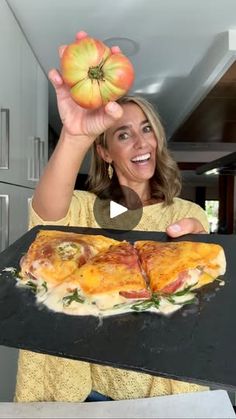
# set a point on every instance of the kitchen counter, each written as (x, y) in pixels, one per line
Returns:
(207, 404)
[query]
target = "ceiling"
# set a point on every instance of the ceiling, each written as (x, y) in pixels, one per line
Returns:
(180, 49)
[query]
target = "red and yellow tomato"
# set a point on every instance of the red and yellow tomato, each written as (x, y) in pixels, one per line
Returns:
(94, 74)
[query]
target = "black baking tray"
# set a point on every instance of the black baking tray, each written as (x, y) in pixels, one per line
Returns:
(196, 344)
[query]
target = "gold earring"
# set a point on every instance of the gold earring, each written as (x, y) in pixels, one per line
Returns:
(110, 171)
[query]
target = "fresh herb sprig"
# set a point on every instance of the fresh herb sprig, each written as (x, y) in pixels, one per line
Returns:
(182, 293)
(32, 286)
(74, 296)
(146, 304)
(44, 286)
(157, 297)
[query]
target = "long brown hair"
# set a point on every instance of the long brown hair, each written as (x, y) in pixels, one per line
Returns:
(166, 181)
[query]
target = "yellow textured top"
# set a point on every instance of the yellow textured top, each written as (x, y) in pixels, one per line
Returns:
(49, 378)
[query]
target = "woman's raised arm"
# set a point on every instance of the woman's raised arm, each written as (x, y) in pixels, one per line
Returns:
(81, 126)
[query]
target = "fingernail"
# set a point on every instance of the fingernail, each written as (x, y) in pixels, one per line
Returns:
(175, 228)
(57, 79)
(112, 106)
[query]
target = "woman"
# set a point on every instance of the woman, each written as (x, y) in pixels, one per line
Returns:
(127, 139)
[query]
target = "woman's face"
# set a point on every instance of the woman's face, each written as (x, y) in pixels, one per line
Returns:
(131, 146)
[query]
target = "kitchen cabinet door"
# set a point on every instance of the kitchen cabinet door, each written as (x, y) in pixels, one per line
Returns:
(14, 202)
(10, 146)
(34, 114)
(24, 106)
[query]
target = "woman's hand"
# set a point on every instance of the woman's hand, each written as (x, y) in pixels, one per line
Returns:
(185, 226)
(77, 120)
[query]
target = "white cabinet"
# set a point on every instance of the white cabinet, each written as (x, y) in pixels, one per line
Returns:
(23, 105)
(10, 41)
(34, 114)
(14, 201)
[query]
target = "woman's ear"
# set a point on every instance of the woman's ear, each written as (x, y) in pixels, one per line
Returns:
(103, 153)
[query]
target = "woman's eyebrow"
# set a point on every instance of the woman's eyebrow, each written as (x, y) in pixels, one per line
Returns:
(123, 127)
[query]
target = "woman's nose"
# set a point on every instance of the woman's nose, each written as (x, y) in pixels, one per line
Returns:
(139, 140)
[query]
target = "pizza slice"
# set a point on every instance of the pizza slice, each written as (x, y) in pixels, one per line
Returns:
(55, 255)
(175, 266)
(109, 281)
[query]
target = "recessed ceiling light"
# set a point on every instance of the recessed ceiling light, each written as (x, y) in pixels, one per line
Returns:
(127, 46)
(212, 172)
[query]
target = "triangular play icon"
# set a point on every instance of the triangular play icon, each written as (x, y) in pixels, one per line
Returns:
(116, 209)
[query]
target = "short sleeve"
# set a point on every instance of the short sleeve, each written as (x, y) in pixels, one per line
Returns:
(197, 212)
(80, 212)
(35, 219)
(188, 209)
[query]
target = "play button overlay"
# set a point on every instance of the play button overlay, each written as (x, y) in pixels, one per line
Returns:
(122, 211)
(116, 209)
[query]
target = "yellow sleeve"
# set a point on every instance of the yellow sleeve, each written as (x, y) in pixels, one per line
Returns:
(179, 387)
(80, 212)
(43, 377)
(122, 384)
(35, 219)
(188, 209)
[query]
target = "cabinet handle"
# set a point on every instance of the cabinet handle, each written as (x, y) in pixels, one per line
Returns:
(42, 156)
(4, 222)
(34, 159)
(5, 139)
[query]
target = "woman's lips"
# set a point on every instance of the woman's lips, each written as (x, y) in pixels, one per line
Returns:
(141, 159)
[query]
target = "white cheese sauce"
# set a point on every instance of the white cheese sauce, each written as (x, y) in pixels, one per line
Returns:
(61, 299)
(102, 306)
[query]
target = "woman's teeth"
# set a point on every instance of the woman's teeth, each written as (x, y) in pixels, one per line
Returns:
(141, 159)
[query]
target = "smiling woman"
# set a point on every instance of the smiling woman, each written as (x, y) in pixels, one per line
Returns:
(136, 147)
(128, 135)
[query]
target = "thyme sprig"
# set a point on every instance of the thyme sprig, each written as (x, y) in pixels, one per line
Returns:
(146, 304)
(74, 296)
(32, 286)
(157, 297)
(37, 288)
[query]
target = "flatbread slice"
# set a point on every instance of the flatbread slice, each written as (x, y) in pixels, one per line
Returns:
(174, 266)
(111, 278)
(55, 255)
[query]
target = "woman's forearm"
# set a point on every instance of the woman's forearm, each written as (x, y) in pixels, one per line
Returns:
(54, 191)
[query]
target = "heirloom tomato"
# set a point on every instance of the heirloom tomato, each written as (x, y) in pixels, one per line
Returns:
(94, 74)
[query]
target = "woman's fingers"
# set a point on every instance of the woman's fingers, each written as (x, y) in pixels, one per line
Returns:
(61, 50)
(116, 50)
(114, 110)
(185, 226)
(81, 35)
(55, 78)
(62, 91)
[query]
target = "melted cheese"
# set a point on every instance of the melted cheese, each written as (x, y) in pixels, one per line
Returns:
(56, 255)
(165, 263)
(94, 288)
(101, 305)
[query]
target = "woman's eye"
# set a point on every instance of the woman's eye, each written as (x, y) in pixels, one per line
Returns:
(147, 128)
(123, 136)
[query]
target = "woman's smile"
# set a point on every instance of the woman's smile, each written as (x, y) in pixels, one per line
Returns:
(132, 146)
(141, 159)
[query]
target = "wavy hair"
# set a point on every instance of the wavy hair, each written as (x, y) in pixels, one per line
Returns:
(166, 181)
